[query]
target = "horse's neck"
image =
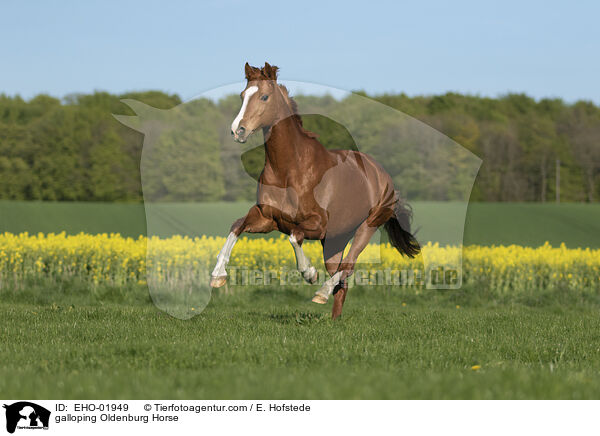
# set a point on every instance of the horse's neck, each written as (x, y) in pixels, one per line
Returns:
(288, 147)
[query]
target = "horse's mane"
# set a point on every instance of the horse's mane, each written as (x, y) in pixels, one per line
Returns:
(295, 115)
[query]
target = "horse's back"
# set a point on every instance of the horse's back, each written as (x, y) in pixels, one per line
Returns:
(366, 170)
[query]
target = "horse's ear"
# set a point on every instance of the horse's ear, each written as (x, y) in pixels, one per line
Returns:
(248, 71)
(270, 71)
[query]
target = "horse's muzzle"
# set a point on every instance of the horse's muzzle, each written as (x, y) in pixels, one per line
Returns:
(240, 135)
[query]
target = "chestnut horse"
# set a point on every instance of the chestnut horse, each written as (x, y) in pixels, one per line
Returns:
(309, 192)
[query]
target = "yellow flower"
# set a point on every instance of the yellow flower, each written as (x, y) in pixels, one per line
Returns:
(116, 260)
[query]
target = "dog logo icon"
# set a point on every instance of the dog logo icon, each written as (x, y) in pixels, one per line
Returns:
(26, 415)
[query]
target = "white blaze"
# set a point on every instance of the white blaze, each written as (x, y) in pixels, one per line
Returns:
(247, 94)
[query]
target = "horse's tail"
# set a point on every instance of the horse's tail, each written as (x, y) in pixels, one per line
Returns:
(398, 229)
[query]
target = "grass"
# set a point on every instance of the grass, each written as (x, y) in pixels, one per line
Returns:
(530, 224)
(70, 342)
(65, 340)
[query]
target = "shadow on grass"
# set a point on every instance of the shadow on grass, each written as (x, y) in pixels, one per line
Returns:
(300, 318)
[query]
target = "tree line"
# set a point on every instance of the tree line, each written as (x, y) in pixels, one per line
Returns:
(73, 149)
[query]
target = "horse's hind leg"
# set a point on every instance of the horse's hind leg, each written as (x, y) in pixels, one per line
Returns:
(332, 263)
(361, 239)
(333, 251)
(339, 296)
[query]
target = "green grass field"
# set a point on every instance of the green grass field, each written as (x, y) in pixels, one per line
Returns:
(529, 224)
(70, 342)
(73, 341)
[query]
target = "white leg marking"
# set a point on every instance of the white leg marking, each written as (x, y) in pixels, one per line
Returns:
(223, 257)
(308, 271)
(329, 285)
(247, 94)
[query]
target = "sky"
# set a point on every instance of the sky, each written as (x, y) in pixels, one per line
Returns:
(542, 48)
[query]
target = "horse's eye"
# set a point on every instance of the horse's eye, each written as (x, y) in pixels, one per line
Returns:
(264, 97)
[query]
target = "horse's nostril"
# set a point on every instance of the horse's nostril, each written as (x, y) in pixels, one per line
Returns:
(241, 131)
(232, 133)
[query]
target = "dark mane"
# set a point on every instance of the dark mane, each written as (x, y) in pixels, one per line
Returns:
(296, 116)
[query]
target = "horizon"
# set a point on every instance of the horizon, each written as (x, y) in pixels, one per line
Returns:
(338, 94)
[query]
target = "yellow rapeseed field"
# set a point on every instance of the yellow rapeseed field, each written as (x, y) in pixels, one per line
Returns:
(117, 260)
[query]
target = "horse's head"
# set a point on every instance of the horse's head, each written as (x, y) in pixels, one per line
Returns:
(262, 102)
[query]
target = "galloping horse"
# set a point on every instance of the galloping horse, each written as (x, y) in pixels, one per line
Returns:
(309, 192)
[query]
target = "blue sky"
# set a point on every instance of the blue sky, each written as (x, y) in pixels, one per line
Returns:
(546, 49)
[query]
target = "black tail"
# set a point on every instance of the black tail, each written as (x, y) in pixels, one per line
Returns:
(398, 229)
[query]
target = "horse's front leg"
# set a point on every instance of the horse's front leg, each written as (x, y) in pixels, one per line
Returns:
(253, 222)
(313, 227)
(308, 271)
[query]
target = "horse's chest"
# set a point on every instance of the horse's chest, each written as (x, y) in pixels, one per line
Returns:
(287, 205)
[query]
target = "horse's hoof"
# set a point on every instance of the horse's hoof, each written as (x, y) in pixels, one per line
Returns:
(319, 299)
(217, 282)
